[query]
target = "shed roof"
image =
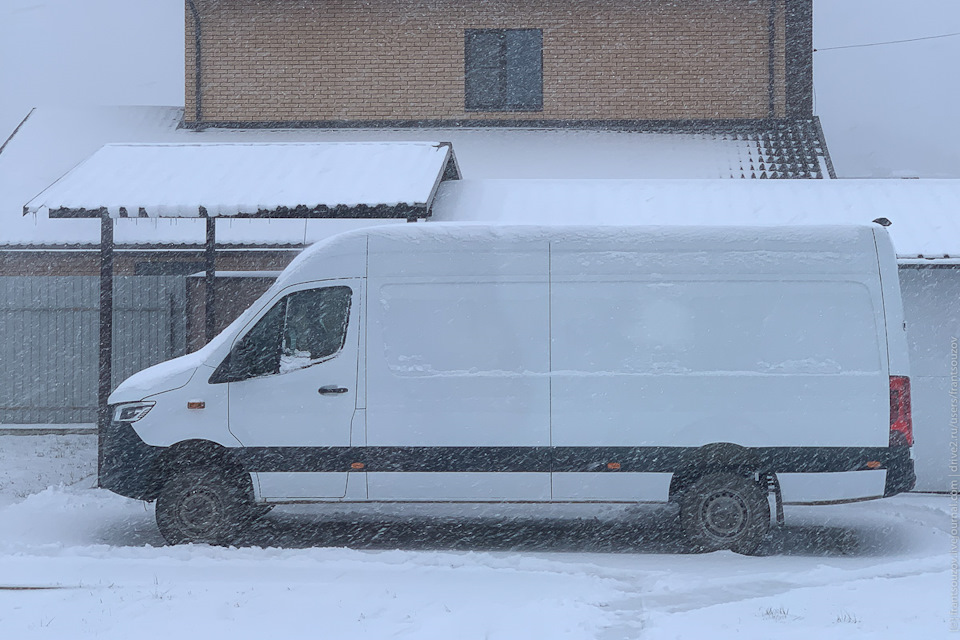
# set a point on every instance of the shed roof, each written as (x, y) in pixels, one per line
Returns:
(269, 180)
(53, 140)
(925, 213)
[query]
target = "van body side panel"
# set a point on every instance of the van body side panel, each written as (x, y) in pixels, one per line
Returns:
(681, 363)
(810, 488)
(895, 320)
(459, 486)
(662, 345)
(361, 399)
(458, 355)
(458, 365)
(301, 485)
(599, 486)
(358, 428)
(170, 421)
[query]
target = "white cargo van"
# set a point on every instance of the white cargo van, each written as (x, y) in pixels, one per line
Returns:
(429, 362)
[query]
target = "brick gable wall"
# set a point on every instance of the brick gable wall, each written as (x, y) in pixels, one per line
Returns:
(399, 60)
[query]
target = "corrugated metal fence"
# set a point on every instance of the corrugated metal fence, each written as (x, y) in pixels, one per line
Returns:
(49, 340)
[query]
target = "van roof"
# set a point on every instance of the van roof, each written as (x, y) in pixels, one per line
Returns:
(479, 232)
(424, 237)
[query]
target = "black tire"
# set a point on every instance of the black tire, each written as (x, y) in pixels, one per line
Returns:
(725, 511)
(204, 504)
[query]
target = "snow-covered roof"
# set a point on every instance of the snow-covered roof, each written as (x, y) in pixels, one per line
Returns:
(225, 179)
(925, 213)
(54, 140)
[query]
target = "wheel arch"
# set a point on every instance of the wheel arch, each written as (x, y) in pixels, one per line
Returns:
(715, 457)
(189, 453)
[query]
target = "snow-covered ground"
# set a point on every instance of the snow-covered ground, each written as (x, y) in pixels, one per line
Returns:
(78, 562)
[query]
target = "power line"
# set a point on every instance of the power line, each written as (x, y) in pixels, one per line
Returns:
(878, 44)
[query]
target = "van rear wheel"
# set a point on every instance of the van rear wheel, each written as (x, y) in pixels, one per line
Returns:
(204, 505)
(725, 511)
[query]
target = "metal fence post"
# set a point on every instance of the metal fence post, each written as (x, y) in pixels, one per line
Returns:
(105, 368)
(210, 258)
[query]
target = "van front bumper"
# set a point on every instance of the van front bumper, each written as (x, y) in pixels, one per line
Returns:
(128, 465)
(901, 475)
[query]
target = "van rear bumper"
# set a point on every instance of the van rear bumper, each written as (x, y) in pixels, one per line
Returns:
(901, 475)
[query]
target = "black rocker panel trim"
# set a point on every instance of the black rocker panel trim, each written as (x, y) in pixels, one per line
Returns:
(132, 468)
(551, 459)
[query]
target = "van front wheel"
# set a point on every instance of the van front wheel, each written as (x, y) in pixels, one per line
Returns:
(203, 505)
(725, 511)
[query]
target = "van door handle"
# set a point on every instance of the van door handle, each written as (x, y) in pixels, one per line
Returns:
(331, 389)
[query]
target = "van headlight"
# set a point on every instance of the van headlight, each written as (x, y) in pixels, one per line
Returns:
(132, 411)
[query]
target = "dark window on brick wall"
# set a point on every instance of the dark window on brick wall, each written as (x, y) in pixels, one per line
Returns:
(503, 69)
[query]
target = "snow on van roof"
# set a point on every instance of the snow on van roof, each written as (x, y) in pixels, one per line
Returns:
(447, 236)
(403, 248)
(446, 232)
(924, 213)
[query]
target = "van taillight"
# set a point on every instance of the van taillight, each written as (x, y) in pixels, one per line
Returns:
(901, 419)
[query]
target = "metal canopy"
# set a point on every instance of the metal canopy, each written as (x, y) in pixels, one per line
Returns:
(253, 180)
(249, 180)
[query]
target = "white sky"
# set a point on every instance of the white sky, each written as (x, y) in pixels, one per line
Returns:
(889, 110)
(886, 110)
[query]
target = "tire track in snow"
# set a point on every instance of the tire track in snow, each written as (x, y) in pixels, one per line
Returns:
(669, 598)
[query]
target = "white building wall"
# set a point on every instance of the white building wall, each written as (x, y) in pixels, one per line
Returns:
(931, 303)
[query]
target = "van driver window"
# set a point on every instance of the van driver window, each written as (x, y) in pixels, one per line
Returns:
(302, 329)
(315, 326)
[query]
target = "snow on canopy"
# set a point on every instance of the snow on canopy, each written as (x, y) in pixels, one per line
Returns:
(923, 212)
(236, 179)
(581, 176)
(54, 140)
